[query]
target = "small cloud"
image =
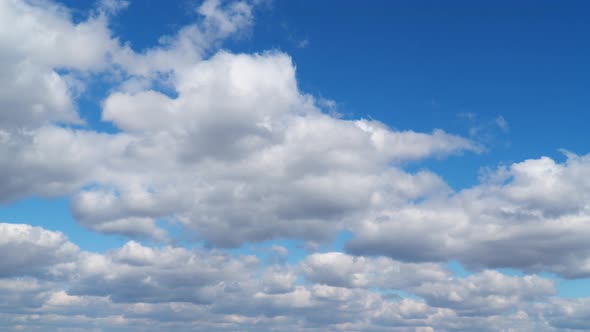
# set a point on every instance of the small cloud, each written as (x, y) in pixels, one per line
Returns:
(304, 43)
(467, 115)
(479, 127)
(293, 37)
(312, 246)
(280, 250)
(277, 255)
(490, 131)
(502, 124)
(112, 7)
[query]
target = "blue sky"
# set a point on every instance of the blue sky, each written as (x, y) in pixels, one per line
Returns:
(288, 155)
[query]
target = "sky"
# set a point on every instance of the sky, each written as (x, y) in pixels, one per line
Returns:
(273, 165)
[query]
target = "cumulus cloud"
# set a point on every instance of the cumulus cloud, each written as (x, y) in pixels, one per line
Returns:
(30, 251)
(339, 269)
(219, 20)
(136, 273)
(45, 55)
(227, 147)
(486, 293)
(139, 287)
(238, 143)
(38, 41)
(530, 216)
(152, 288)
(52, 161)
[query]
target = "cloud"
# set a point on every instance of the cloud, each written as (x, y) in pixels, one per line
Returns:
(486, 293)
(236, 143)
(53, 161)
(135, 273)
(33, 251)
(529, 216)
(567, 314)
(227, 147)
(240, 130)
(218, 20)
(501, 123)
(42, 52)
(341, 270)
(139, 287)
(111, 7)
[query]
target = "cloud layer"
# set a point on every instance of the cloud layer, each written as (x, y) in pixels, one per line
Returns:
(137, 287)
(226, 147)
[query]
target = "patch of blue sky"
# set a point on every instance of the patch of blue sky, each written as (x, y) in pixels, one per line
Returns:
(54, 214)
(573, 288)
(89, 104)
(458, 269)
(339, 243)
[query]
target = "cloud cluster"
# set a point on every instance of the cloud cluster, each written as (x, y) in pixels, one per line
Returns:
(229, 149)
(237, 153)
(531, 216)
(138, 287)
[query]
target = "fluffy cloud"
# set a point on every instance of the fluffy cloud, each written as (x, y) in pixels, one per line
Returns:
(219, 20)
(32, 251)
(228, 148)
(531, 216)
(138, 287)
(37, 42)
(238, 143)
(53, 161)
(140, 274)
(567, 314)
(45, 55)
(486, 293)
(339, 269)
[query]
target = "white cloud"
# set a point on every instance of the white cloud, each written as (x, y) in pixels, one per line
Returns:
(141, 274)
(339, 269)
(239, 143)
(530, 216)
(39, 42)
(27, 250)
(240, 131)
(36, 41)
(192, 43)
(53, 161)
(137, 287)
(235, 153)
(485, 293)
